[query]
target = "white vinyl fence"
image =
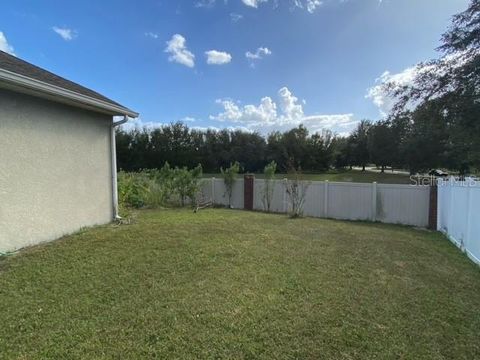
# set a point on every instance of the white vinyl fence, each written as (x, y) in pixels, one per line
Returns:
(395, 204)
(459, 214)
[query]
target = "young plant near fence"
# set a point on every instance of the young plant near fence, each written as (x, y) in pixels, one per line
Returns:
(229, 177)
(186, 183)
(268, 185)
(296, 188)
(132, 189)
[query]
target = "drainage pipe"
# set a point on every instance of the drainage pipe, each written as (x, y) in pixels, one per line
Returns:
(113, 150)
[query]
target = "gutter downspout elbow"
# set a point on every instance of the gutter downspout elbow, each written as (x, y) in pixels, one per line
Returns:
(113, 150)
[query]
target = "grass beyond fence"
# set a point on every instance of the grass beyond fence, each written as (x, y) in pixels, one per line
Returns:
(234, 284)
(344, 176)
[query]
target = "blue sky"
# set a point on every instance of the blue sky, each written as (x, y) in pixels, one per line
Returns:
(310, 61)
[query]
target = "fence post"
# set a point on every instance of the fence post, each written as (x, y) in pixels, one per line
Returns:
(248, 191)
(285, 207)
(469, 216)
(213, 190)
(439, 205)
(325, 199)
(374, 201)
(433, 208)
(451, 184)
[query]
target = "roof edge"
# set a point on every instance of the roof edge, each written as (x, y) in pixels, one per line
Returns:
(49, 89)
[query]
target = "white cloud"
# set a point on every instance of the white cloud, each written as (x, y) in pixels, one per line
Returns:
(236, 17)
(178, 51)
(188, 119)
(65, 33)
(287, 112)
(151, 125)
(216, 129)
(140, 124)
(259, 54)
(309, 5)
(381, 97)
(4, 45)
(151, 35)
(312, 5)
(204, 3)
(253, 3)
(215, 57)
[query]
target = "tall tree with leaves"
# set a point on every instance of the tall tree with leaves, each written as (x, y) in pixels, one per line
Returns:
(381, 144)
(452, 82)
(360, 144)
(268, 185)
(229, 177)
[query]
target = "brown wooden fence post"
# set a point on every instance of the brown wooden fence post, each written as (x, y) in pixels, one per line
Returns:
(248, 189)
(433, 210)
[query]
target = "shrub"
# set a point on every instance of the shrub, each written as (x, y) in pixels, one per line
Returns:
(186, 183)
(268, 185)
(296, 188)
(132, 189)
(229, 177)
(156, 188)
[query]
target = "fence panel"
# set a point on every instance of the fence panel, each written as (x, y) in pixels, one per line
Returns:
(403, 204)
(473, 238)
(350, 201)
(206, 190)
(444, 205)
(397, 204)
(277, 205)
(315, 199)
(458, 226)
(459, 214)
(220, 196)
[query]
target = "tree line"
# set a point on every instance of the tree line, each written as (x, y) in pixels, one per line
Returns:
(417, 142)
(181, 146)
(435, 123)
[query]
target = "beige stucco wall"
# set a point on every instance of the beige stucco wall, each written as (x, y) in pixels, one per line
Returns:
(55, 170)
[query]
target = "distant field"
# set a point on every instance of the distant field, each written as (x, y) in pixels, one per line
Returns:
(347, 176)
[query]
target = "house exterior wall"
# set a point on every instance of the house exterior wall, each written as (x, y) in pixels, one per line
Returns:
(55, 170)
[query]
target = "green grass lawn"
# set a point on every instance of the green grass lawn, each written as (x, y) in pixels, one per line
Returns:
(346, 176)
(240, 285)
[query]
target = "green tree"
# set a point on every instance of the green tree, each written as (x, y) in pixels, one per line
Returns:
(186, 183)
(359, 140)
(381, 144)
(268, 185)
(451, 85)
(229, 178)
(296, 188)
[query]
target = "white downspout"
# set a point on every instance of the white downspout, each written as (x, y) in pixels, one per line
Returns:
(113, 151)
